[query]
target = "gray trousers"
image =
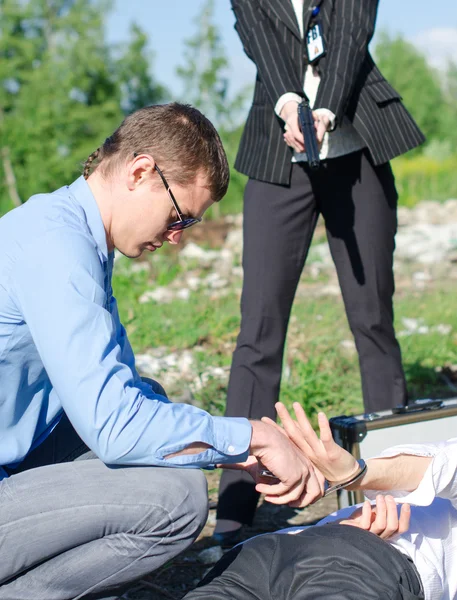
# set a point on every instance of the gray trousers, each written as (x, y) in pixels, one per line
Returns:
(73, 529)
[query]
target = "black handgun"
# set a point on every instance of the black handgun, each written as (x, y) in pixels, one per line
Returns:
(306, 120)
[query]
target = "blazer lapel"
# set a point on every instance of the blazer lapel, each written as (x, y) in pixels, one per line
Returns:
(284, 11)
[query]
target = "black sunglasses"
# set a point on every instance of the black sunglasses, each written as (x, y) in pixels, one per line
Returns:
(183, 221)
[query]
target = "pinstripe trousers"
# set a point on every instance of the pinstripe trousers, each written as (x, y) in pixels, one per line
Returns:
(358, 202)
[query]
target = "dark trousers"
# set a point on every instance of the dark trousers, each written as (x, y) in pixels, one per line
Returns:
(330, 561)
(358, 202)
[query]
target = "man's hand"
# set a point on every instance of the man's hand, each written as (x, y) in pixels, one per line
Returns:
(335, 463)
(382, 519)
(297, 479)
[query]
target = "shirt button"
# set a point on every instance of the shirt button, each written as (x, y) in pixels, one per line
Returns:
(231, 449)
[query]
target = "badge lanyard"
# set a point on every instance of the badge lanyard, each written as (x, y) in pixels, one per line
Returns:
(314, 37)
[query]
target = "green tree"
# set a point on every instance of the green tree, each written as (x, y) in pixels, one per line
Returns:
(406, 68)
(206, 73)
(16, 54)
(137, 85)
(61, 95)
(205, 78)
(62, 90)
(450, 115)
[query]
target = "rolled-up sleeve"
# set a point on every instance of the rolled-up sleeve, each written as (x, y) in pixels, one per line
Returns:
(440, 478)
(59, 287)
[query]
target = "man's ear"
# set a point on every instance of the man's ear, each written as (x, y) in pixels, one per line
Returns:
(139, 170)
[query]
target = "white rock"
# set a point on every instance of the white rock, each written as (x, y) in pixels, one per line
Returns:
(187, 361)
(236, 220)
(421, 276)
(210, 556)
(215, 281)
(183, 294)
(217, 294)
(172, 364)
(329, 290)
(420, 279)
(426, 243)
(314, 270)
(160, 294)
(411, 324)
(403, 216)
(147, 365)
(348, 346)
(194, 252)
(215, 373)
(450, 208)
(160, 351)
(139, 266)
(413, 327)
(224, 264)
(211, 520)
(429, 212)
(443, 329)
(218, 373)
(234, 240)
(320, 253)
(193, 282)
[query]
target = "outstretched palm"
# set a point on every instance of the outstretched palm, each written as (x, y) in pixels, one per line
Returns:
(335, 463)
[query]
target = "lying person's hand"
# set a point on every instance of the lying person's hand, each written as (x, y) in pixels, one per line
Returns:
(385, 519)
(335, 463)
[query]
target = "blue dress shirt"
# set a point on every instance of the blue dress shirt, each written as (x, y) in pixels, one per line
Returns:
(62, 347)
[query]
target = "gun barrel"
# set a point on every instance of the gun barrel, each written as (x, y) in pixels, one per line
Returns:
(306, 120)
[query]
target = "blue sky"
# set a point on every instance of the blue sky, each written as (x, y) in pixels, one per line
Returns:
(432, 26)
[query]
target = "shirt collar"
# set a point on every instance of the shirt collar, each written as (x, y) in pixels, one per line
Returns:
(81, 191)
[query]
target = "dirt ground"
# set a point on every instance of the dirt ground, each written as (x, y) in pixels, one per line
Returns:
(181, 575)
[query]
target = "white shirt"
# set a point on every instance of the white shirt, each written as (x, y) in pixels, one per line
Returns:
(431, 541)
(345, 138)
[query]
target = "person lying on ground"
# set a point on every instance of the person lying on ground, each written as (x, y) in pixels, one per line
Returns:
(372, 553)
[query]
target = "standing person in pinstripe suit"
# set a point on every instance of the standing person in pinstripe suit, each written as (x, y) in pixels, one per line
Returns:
(361, 124)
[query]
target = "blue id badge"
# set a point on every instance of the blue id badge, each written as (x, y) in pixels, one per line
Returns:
(315, 42)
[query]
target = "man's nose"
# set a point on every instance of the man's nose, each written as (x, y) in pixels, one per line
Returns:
(173, 237)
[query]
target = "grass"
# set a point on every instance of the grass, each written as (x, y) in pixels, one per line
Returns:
(319, 371)
(425, 177)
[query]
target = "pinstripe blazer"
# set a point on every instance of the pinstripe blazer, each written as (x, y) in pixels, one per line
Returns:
(351, 84)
